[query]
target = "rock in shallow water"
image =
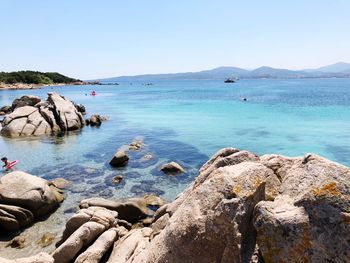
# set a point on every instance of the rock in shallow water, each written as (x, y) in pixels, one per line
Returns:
(172, 168)
(30, 117)
(119, 159)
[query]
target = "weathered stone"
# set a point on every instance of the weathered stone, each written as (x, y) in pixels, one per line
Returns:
(215, 217)
(307, 221)
(96, 251)
(93, 213)
(131, 247)
(81, 238)
(14, 217)
(67, 116)
(25, 121)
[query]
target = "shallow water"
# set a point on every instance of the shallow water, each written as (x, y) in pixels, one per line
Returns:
(183, 121)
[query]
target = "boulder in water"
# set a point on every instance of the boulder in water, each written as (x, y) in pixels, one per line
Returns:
(172, 168)
(32, 117)
(120, 158)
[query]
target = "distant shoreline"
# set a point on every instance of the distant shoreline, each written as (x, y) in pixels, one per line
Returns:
(27, 86)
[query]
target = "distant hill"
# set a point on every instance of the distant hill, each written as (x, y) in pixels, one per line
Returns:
(339, 70)
(34, 77)
(339, 67)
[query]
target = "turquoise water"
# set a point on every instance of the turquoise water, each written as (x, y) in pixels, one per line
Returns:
(183, 121)
(187, 121)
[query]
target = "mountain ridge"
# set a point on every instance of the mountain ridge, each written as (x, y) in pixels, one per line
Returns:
(337, 70)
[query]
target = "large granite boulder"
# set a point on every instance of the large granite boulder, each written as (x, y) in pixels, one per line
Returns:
(25, 121)
(309, 220)
(32, 117)
(66, 114)
(24, 197)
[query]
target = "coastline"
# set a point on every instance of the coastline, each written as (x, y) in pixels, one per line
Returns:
(25, 86)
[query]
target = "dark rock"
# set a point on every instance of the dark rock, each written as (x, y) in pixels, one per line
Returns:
(5, 110)
(80, 108)
(26, 100)
(95, 120)
(119, 159)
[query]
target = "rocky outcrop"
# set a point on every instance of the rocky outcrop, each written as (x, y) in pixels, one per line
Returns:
(241, 208)
(86, 229)
(172, 168)
(66, 115)
(24, 197)
(245, 208)
(120, 158)
(33, 117)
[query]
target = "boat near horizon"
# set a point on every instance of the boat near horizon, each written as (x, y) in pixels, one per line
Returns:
(229, 80)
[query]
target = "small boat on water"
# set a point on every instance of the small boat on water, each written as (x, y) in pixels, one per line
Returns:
(229, 80)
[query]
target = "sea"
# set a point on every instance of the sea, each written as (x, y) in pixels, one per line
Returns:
(185, 121)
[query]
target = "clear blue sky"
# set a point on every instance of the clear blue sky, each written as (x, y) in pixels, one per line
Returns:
(106, 38)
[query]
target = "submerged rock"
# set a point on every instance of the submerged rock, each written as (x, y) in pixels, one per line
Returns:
(46, 239)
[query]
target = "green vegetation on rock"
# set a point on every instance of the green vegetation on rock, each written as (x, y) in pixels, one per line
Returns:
(34, 77)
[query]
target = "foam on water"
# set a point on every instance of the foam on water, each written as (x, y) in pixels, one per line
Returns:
(183, 121)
